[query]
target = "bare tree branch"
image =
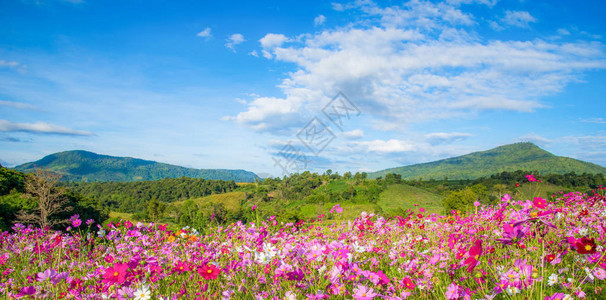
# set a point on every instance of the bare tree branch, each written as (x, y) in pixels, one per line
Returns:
(51, 200)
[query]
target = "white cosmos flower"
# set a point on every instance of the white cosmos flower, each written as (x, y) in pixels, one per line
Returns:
(357, 247)
(142, 293)
(553, 279)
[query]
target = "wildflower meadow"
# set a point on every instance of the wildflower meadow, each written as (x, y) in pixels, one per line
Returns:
(531, 248)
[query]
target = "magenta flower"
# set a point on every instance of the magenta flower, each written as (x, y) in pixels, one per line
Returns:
(407, 282)
(511, 234)
(75, 219)
(531, 178)
(115, 274)
(539, 202)
(474, 255)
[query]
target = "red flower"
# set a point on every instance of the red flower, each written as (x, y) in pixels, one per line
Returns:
(539, 202)
(585, 246)
(115, 274)
(209, 271)
(474, 254)
(407, 282)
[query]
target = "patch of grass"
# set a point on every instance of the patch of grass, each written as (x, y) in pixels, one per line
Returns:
(231, 201)
(123, 216)
(406, 196)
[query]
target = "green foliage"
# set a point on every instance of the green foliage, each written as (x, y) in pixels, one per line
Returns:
(134, 196)
(460, 200)
(155, 209)
(519, 156)
(13, 200)
(87, 166)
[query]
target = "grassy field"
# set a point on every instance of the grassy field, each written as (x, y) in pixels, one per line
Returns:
(231, 200)
(119, 215)
(395, 196)
(406, 196)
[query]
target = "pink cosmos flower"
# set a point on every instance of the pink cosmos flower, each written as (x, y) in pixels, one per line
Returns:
(539, 202)
(531, 178)
(363, 293)
(337, 208)
(511, 234)
(209, 271)
(599, 273)
(115, 274)
(407, 282)
(474, 255)
(182, 267)
(452, 291)
(75, 219)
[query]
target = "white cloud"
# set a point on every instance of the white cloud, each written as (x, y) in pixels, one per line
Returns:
(8, 64)
(536, 139)
(588, 141)
(495, 25)
(18, 105)
(389, 146)
(338, 6)
(489, 3)
(438, 138)
(234, 40)
(563, 31)
(268, 113)
(253, 53)
(206, 33)
(354, 134)
(40, 127)
(418, 62)
(594, 120)
(319, 20)
(272, 40)
(518, 18)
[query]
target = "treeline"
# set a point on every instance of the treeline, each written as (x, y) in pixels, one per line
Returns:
(316, 188)
(22, 200)
(568, 180)
(131, 197)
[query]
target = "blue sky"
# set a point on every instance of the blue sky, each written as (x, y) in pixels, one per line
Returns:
(239, 85)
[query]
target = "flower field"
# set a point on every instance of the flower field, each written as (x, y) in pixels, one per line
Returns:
(518, 249)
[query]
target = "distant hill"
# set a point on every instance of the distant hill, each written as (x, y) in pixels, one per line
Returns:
(519, 156)
(81, 165)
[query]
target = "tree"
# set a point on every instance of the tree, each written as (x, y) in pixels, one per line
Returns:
(460, 200)
(51, 201)
(155, 209)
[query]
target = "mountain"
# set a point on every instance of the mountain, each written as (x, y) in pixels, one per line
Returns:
(81, 165)
(518, 156)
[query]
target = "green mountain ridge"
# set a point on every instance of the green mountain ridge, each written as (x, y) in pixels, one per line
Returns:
(79, 165)
(512, 157)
